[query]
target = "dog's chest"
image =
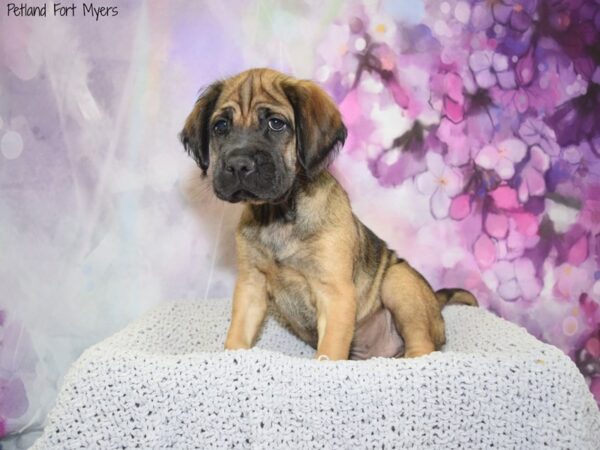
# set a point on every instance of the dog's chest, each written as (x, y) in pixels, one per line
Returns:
(288, 263)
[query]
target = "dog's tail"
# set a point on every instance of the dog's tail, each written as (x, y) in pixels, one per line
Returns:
(455, 297)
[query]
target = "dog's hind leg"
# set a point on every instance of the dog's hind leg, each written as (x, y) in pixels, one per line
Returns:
(415, 308)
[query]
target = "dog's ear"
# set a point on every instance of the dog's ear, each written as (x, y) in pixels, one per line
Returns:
(196, 132)
(320, 132)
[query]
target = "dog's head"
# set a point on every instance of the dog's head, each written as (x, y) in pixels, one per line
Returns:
(254, 135)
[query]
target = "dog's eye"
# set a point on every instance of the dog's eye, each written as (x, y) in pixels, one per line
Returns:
(276, 124)
(221, 126)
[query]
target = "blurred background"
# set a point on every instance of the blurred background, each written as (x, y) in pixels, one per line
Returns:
(473, 150)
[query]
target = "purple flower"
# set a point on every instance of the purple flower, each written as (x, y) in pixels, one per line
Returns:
(589, 217)
(481, 16)
(514, 43)
(585, 157)
(441, 182)
(491, 68)
(526, 69)
(405, 159)
(514, 279)
(535, 132)
(575, 26)
(517, 14)
(526, 207)
(577, 119)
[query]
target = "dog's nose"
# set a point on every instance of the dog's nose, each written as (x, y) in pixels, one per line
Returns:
(240, 165)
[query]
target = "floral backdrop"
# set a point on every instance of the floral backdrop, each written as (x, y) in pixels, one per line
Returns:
(473, 149)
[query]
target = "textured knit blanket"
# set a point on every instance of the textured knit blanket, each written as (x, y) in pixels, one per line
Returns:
(164, 382)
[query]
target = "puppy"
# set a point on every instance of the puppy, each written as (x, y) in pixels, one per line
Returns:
(265, 139)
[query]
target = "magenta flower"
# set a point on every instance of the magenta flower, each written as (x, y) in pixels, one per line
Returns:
(587, 357)
(441, 182)
(502, 157)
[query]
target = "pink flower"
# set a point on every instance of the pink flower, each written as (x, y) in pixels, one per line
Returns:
(571, 281)
(460, 207)
(532, 96)
(505, 197)
(496, 225)
(590, 213)
(16, 361)
(454, 99)
(334, 47)
(591, 312)
(13, 402)
(441, 182)
(532, 176)
(578, 252)
(595, 388)
(502, 157)
(517, 100)
(522, 234)
(454, 136)
(526, 223)
(484, 251)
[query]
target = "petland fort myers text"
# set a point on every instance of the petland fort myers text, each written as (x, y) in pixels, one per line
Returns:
(57, 9)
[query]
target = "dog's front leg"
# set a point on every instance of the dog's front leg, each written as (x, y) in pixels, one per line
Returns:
(336, 319)
(249, 309)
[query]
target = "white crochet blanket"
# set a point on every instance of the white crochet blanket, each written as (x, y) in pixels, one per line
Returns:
(163, 382)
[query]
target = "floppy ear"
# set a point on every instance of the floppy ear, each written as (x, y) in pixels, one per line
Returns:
(320, 132)
(196, 132)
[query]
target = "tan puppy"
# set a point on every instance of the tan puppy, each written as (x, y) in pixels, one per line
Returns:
(265, 139)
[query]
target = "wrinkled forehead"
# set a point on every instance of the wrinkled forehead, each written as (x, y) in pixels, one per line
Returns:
(250, 95)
